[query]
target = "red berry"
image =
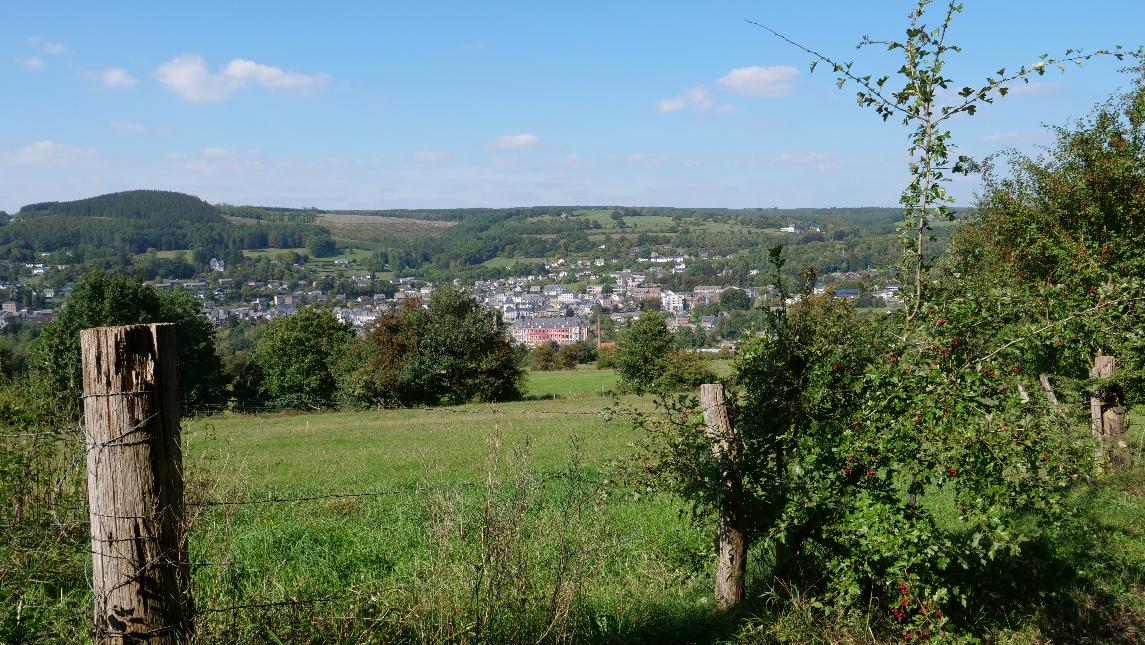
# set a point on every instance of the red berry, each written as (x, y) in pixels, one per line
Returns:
(952, 472)
(847, 470)
(938, 613)
(940, 322)
(870, 473)
(1013, 370)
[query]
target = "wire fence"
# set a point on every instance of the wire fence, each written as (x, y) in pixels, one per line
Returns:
(71, 518)
(279, 406)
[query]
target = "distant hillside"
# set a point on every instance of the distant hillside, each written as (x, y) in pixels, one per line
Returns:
(109, 228)
(157, 206)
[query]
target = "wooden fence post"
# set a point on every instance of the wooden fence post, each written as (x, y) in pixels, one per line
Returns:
(1107, 414)
(140, 577)
(732, 527)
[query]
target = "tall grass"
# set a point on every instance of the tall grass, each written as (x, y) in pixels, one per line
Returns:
(522, 542)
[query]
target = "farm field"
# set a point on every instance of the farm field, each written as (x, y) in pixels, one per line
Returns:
(409, 471)
(351, 451)
(351, 228)
(508, 262)
(578, 383)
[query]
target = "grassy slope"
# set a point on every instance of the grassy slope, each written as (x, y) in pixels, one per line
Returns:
(362, 546)
(349, 451)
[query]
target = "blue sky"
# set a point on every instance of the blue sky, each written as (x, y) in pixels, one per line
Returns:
(444, 104)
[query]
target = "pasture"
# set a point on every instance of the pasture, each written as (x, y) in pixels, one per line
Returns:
(505, 523)
(379, 489)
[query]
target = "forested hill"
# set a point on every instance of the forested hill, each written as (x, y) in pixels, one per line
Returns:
(160, 207)
(117, 231)
(107, 230)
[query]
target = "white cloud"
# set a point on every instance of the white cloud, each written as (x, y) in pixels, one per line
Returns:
(819, 160)
(697, 96)
(767, 82)
(646, 159)
(515, 141)
(48, 153)
(129, 128)
(54, 49)
(574, 160)
(32, 62)
(217, 153)
(116, 77)
(432, 157)
(273, 78)
(190, 79)
(214, 160)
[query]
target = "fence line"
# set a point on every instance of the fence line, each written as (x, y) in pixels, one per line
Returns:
(140, 567)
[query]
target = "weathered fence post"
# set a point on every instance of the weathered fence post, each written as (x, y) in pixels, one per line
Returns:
(732, 526)
(140, 578)
(1107, 413)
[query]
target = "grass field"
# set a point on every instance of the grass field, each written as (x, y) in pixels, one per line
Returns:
(421, 469)
(355, 228)
(508, 262)
(582, 382)
(503, 524)
(347, 451)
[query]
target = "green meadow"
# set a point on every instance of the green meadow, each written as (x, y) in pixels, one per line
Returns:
(389, 483)
(384, 526)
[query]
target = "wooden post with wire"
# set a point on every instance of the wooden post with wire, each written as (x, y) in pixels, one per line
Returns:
(1107, 413)
(733, 541)
(140, 576)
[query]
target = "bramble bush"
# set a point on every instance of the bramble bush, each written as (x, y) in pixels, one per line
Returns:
(895, 462)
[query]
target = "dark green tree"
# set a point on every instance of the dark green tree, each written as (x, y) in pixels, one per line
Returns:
(453, 351)
(542, 358)
(321, 246)
(733, 299)
(298, 356)
(104, 299)
(648, 360)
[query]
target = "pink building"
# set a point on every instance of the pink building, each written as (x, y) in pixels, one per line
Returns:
(537, 331)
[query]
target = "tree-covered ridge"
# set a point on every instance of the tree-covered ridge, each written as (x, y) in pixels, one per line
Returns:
(106, 230)
(114, 231)
(161, 207)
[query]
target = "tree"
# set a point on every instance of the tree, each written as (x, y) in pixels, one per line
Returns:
(648, 360)
(321, 246)
(103, 299)
(1063, 233)
(651, 304)
(298, 356)
(732, 299)
(569, 356)
(852, 435)
(642, 352)
(453, 351)
(543, 358)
